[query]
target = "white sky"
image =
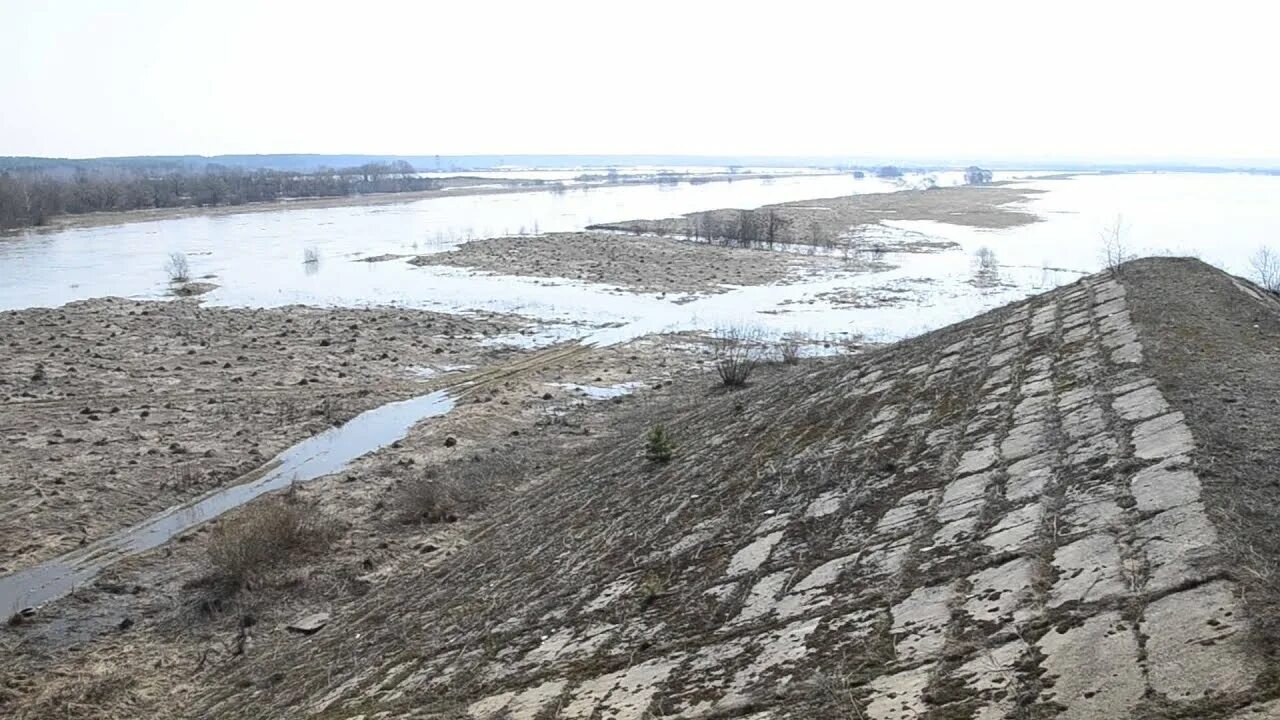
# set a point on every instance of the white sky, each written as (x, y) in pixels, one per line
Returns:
(958, 79)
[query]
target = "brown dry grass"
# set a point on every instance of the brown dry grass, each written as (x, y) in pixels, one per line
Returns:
(268, 534)
(445, 493)
(103, 691)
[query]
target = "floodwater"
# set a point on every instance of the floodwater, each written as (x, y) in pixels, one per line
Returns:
(329, 452)
(257, 258)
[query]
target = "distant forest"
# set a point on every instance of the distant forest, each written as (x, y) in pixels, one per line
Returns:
(31, 196)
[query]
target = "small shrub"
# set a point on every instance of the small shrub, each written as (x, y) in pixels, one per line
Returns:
(187, 477)
(652, 587)
(177, 267)
(432, 498)
(38, 374)
(790, 351)
(266, 535)
(446, 493)
(658, 447)
(737, 354)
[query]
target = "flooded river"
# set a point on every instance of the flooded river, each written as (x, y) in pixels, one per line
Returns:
(257, 258)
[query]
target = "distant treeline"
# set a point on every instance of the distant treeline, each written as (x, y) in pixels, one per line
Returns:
(32, 198)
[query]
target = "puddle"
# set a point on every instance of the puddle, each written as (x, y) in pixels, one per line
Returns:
(426, 372)
(599, 392)
(324, 454)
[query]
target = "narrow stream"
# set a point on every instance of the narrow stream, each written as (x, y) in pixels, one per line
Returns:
(323, 454)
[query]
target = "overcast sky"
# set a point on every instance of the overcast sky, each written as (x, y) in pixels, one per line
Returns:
(958, 79)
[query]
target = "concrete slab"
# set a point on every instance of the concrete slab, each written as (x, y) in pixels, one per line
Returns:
(1001, 594)
(1017, 528)
(1094, 668)
(751, 557)
(1140, 404)
(1179, 544)
(1196, 643)
(1089, 570)
(1165, 485)
(900, 696)
(1162, 437)
(920, 622)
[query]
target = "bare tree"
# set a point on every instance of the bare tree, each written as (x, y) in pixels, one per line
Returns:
(1266, 269)
(177, 267)
(986, 258)
(1115, 251)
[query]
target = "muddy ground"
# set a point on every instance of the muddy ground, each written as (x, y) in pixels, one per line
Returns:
(830, 221)
(114, 409)
(641, 264)
(182, 399)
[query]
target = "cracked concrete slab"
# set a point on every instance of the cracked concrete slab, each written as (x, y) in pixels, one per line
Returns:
(1165, 485)
(1094, 668)
(1196, 643)
(1089, 570)
(920, 621)
(1162, 437)
(1179, 545)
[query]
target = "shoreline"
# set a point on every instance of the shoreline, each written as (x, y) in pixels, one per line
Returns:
(126, 217)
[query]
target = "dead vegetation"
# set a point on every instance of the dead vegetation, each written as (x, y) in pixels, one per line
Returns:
(1265, 264)
(448, 492)
(177, 268)
(102, 692)
(737, 351)
(268, 534)
(789, 350)
(1115, 248)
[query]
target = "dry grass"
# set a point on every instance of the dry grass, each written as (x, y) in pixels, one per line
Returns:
(432, 498)
(445, 493)
(102, 692)
(267, 534)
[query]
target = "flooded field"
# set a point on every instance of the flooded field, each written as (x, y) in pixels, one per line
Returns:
(257, 259)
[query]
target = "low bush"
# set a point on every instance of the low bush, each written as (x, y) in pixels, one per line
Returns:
(737, 354)
(267, 534)
(445, 493)
(790, 351)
